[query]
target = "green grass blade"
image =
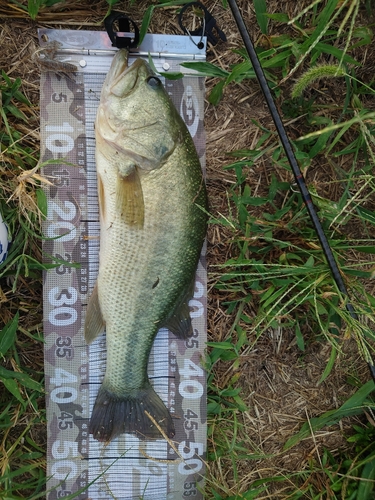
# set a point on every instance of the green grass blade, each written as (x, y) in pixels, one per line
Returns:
(8, 335)
(33, 7)
(366, 483)
(260, 7)
(23, 378)
(353, 406)
(146, 22)
(330, 364)
(323, 25)
(217, 93)
(206, 69)
(13, 388)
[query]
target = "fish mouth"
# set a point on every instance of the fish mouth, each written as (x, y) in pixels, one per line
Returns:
(123, 78)
(119, 63)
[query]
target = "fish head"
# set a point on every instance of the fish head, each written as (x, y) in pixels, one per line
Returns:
(136, 119)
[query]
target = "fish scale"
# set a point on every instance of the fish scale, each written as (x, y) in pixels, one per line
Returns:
(152, 200)
(151, 256)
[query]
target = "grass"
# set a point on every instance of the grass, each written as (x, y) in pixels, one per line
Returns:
(274, 279)
(22, 419)
(277, 264)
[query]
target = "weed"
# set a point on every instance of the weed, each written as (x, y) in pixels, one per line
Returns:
(277, 265)
(284, 54)
(21, 411)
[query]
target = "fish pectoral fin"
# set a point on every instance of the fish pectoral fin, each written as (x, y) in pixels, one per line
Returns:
(94, 323)
(179, 322)
(101, 197)
(129, 199)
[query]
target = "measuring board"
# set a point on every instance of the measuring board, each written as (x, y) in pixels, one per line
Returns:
(127, 468)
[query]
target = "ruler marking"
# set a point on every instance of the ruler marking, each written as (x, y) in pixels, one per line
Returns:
(68, 109)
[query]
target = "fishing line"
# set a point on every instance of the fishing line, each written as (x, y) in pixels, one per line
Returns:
(294, 164)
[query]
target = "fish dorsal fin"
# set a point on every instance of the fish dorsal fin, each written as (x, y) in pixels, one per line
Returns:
(129, 199)
(179, 322)
(94, 323)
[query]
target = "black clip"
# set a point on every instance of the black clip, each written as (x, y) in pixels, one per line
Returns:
(209, 23)
(121, 42)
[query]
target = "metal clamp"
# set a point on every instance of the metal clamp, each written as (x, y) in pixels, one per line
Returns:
(206, 29)
(124, 22)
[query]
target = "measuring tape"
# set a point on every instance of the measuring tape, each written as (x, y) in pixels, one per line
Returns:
(127, 468)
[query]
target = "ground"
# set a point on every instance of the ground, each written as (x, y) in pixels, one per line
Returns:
(279, 385)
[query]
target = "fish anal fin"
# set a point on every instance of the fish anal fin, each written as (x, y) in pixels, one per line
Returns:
(129, 199)
(94, 323)
(115, 414)
(179, 322)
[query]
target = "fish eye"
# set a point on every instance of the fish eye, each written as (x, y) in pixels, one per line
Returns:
(153, 82)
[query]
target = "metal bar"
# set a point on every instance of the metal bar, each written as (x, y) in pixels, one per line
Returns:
(109, 52)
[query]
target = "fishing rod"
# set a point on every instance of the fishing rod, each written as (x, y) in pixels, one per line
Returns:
(294, 164)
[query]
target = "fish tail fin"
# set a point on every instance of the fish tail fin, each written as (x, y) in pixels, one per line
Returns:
(114, 415)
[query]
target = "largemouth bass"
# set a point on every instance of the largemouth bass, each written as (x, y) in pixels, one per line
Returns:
(152, 226)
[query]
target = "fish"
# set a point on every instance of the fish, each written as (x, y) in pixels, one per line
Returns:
(153, 220)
